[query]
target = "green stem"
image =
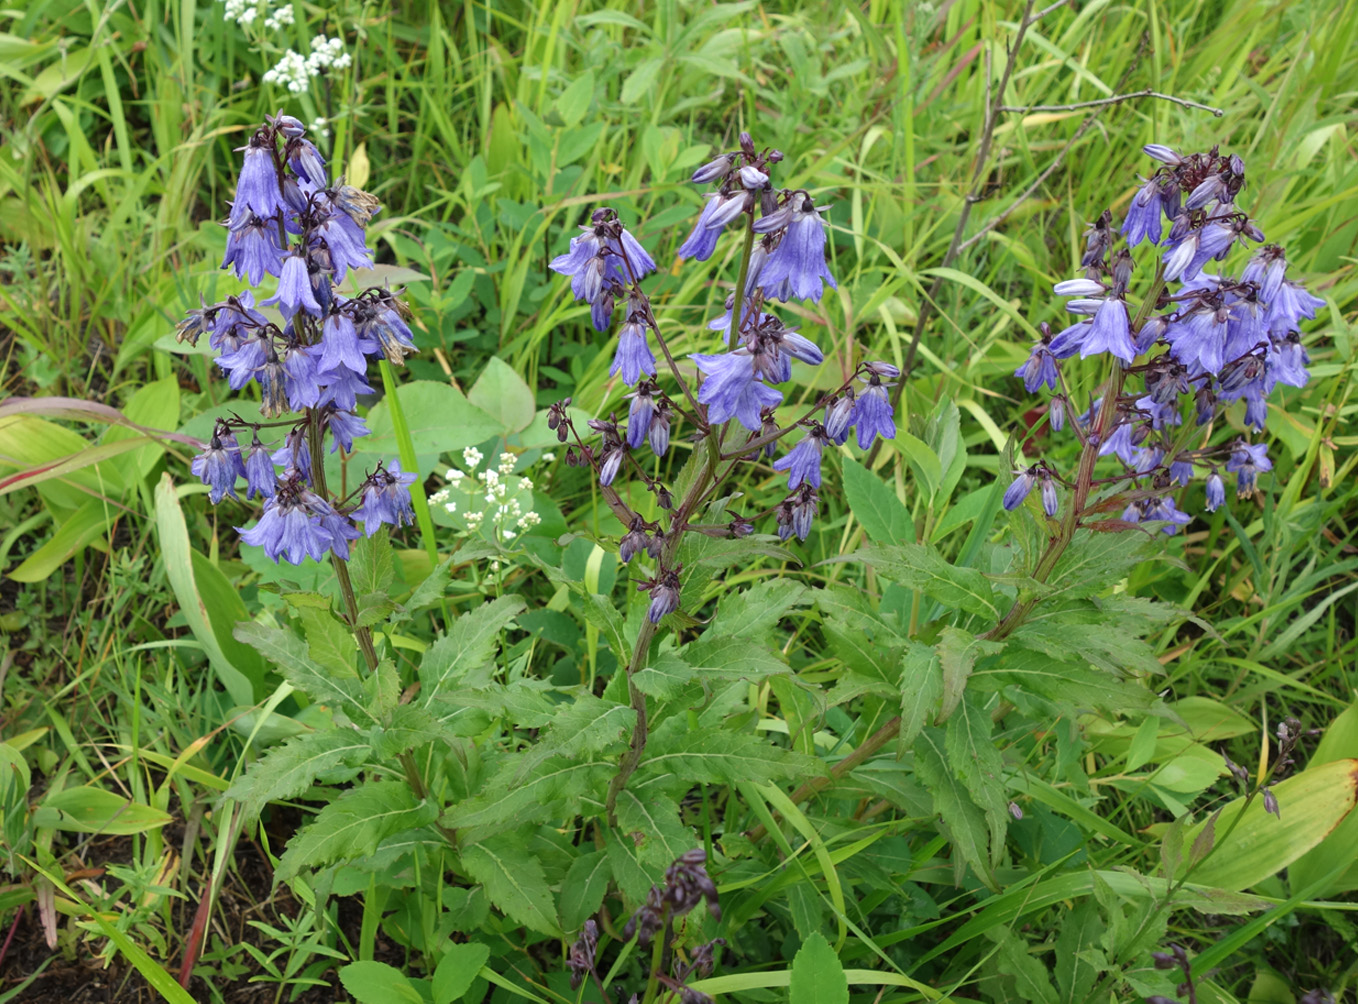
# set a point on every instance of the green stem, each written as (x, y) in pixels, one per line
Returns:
(641, 731)
(657, 960)
(738, 302)
(1089, 456)
(340, 565)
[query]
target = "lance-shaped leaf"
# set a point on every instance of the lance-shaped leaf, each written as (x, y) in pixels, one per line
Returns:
(919, 566)
(469, 646)
(288, 770)
(514, 881)
(354, 824)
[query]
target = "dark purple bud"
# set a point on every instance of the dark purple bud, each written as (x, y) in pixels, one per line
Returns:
(1271, 803)
(713, 170)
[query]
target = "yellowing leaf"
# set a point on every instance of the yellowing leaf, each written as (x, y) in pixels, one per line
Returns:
(1251, 847)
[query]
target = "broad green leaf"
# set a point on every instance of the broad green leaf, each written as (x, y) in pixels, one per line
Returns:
(289, 653)
(288, 770)
(583, 889)
(653, 826)
(354, 824)
(944, 436)
(514, 881)
(731, 657)
(919, 566)
(457, 970)
(440, 420)
(28, 444)
(1079, 959)
(923, 460)
(154, 406)
(624, 862)
(751, 612)
(502, 394)
(665, 678)
(1339, 851)
(885, 518)
(1028, 673)
(817, 975)
(329, 642)
(1095, 561)
(468, 646)
(372, 566)
(378, 983)
(1251, 845)
(409, 726)
(86, 809)
(575, 99)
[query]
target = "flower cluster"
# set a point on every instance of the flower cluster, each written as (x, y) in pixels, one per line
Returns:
(245, 12)
(1196, 342)
(294, 71)
(784, 259)
(494, 497)
(288, 223)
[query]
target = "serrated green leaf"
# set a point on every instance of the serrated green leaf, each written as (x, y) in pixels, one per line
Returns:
(289, 653)
(817, 974)
(372, 565)
(507, 796)
(958, 651)
(972, 754)
(431, 587)
(654, 828)
(921, 691)
(920, 566)
(1078, 960)
(628, 871)
(601, 612)
(1095, 561)
(1031, 983)
(731, 657)
(514, 881)
(752, 612)
(354, 824)
(286, 771)
(583, 889)
(329, 642)
(721, 757)
(409, 726)
(378, 983)
(665, 678)
(1063, 685)
(874, 503)
(965, 823)
(469, 646)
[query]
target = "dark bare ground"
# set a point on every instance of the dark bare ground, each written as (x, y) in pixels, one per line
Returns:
(80, 977)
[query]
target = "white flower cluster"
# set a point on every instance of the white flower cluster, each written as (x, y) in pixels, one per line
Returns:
(489, 494)
(294, 71)
(245, 12)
